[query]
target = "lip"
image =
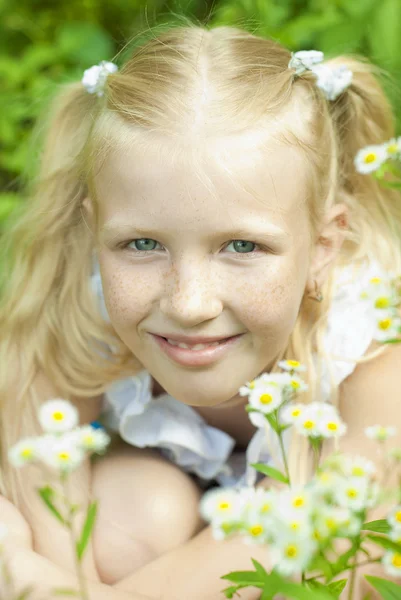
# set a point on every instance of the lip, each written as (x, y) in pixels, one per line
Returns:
(193, 340)
(196, 358)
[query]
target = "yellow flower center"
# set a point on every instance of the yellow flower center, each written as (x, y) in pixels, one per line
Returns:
(295, 384)
(332, 426)
(382, 302)
(296, 412)
(252, 385)
(298, 502)
(293, 363)
(330, 523)
(325, 477)
(385, 324)
(291, 551)
(256, 530)
(352, 493)
(58, 416)
(224, 505)
(309, 424)
(398, 516)
(265, 508)
(369, 158)
(88, 439)
(358, 471)
(392, 148)
(64, 455)
(266, 398)
(375, 280)
(396, 560)
(294, 525)
(26, 452)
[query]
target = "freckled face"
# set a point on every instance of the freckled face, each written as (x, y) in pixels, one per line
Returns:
(197, 279)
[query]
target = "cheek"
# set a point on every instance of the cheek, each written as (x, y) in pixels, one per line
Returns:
(127, 297)
(270, 299)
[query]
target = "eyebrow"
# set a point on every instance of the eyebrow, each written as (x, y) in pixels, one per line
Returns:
(113, 229)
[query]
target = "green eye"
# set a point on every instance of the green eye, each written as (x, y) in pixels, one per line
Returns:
(242, 246)
(144, 244)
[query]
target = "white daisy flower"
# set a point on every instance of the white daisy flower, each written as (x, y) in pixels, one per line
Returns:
(291, 556)
(370, 158)
(393, 147)
(259, 499)
(23, 452)
(358, 466)
(331, 426)
(266, 397)
(221, 505)
(392, 563)
(387, 326)
(61, 452)
(353, 493)
(298, 499)
(255, 528)
(58, 416)
(325, 482)
(394, 518)
(297, 384)
(291, 365)
(380, 433)
(91, 439)
(329, 519)
(291, 413)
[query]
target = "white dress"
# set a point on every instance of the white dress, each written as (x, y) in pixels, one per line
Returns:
(184, 437)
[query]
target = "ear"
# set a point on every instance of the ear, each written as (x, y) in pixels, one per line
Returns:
(327, 246)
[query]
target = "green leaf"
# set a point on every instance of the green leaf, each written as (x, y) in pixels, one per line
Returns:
(385, 543)
(387, 589)
(297, 591)
(316, 585)
(270, 472)
(46, 493)
(87, 529)
(380, 526)
(259, 569)
(337, 586)
(241, 577)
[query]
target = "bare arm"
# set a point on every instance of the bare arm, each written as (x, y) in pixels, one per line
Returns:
(371, 395)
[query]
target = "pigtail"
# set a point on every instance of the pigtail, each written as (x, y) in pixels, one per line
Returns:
(49, 319)
(362, 116)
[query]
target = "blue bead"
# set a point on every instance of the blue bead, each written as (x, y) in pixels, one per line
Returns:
(96, 425)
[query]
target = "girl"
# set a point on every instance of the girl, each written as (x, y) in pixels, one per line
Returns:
(203, 193)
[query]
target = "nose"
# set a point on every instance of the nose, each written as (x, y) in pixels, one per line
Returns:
(190, 296)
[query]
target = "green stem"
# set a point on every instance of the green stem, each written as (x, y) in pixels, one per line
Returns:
(352, 582)
(361, 564)
(81, 578)
(281, 442)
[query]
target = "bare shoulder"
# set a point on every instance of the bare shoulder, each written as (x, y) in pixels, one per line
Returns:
(371, 395)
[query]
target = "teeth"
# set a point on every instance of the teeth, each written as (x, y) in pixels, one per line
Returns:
(195, 347)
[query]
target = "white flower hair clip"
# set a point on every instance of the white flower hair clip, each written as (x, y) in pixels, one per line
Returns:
(331, 80)
(95, 77)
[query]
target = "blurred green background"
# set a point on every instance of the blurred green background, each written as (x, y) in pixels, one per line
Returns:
(44, 43)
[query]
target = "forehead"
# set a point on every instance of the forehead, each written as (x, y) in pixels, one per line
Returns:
(223, 179)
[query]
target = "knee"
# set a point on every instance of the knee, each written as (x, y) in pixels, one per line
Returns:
(155, 502)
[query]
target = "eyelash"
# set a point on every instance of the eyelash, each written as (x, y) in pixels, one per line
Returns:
(147, 252)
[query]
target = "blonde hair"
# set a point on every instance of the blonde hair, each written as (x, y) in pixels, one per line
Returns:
(49, 318)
